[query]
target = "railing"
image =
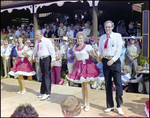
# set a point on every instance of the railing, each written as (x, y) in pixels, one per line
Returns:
(75, 40)
(137, 37)
(125, 38)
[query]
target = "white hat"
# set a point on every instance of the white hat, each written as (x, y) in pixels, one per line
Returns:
(133, 37)
(28, 41)
(65, 38)
(11, 38)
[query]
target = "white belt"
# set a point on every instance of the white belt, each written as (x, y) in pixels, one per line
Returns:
(108, 57)
(132, 55)
(42, 57)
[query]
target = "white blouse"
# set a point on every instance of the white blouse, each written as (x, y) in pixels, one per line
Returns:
(6, 52)
(23, 49)
(69, 34)
(83, 54)
(87, 31)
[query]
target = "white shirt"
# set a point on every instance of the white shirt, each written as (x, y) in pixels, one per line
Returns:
(139, 81)
(58, 62)
(63, 47)
(83, 54)
(5, 51)
(69, 34)
(114, 46)
(94, 46)
(17, 33)
(30, 53)
(125, 76)
(45, 48)
(87, 31)
(43, 30)
(23, 49)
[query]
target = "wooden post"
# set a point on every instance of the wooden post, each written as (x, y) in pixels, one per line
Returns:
(94, 21)
(145, 30)
(35, 24)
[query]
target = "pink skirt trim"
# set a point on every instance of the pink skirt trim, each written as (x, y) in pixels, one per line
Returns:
(147, 108)
(84, 72)
(22, 67)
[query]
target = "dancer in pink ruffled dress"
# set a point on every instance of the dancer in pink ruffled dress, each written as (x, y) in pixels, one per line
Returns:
(84, 70)
(22, 66)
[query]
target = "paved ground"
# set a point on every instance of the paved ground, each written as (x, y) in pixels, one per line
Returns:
(133, 105)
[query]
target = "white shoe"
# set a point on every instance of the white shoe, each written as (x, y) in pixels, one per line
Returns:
(87, 108)
(83, 106)
(119, 110)
(19, 92)
(109, 109)
(44, 97)
(15, 77)
(97, 89)
(23, 92)
(41, 95)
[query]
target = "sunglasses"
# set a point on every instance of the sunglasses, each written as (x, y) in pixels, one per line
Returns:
(123, 69)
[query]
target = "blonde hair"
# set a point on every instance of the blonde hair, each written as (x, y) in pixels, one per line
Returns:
(81, 33)
(71, 105)
(139, 68)
(57, 45)
(70, 39)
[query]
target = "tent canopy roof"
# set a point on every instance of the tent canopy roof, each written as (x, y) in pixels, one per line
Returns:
(102, 5)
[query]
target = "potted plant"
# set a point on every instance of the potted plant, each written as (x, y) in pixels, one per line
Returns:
(147, 84)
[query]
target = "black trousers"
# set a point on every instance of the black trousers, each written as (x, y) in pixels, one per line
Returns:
(46, 75)
(113, 71)
(64, 66)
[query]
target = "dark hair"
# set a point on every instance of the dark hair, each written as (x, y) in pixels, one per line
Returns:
(23, 39)
(71, 43)
(25, 111)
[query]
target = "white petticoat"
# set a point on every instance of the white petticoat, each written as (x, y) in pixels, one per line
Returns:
(147, 113)
(82, 79)
(22, 73)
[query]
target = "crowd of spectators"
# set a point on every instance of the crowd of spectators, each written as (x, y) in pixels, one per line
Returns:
(133, 28)
(64, 49)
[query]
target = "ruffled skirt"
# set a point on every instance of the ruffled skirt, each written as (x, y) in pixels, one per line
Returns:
(22, 67)
(84, 72)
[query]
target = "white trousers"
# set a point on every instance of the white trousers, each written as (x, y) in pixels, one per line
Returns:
(6, 63)
(69, 65)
